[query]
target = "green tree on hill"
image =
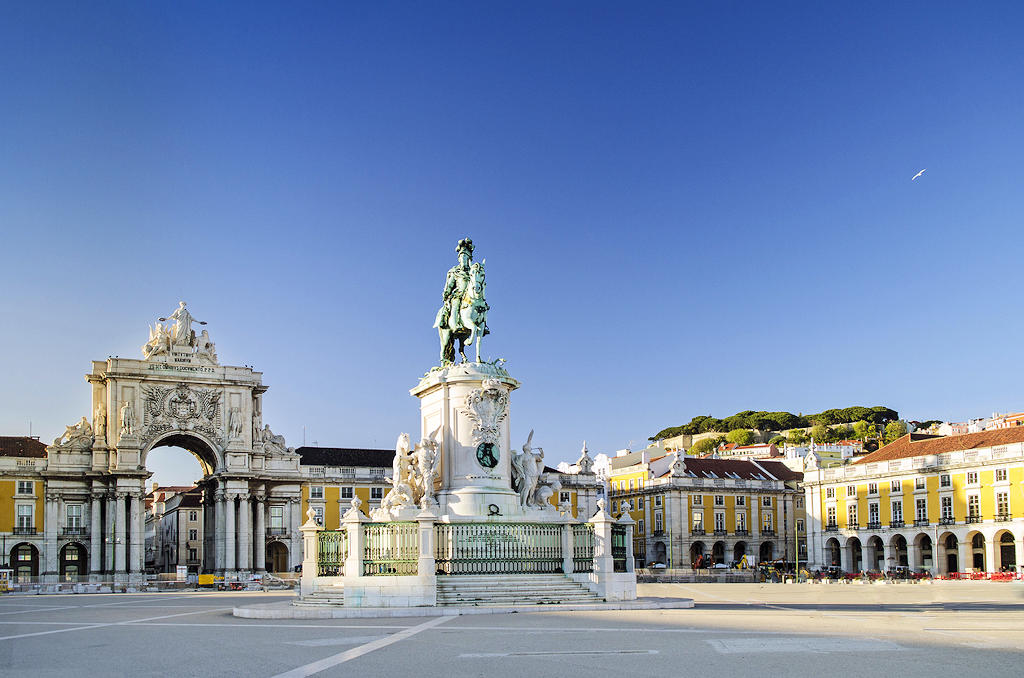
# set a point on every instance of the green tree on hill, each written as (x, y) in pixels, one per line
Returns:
(740, 436)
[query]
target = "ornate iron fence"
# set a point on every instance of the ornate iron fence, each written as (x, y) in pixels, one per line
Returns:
(332, 549)
(390, 549)
(498, 548)
(619, 550)
(583, 547)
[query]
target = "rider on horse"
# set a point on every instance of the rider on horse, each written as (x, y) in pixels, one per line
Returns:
(449, 321)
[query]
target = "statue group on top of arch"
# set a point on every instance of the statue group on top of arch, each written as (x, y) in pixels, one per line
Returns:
(412, 480)
(463, 313)
(179, 337)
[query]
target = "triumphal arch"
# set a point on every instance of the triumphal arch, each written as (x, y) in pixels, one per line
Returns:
(176, 394)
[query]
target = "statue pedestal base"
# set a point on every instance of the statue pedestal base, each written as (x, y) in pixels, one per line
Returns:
(469, 402)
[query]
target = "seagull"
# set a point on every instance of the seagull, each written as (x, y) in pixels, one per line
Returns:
(919, 173)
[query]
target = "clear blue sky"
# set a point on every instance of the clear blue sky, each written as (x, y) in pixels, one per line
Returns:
(685, 208)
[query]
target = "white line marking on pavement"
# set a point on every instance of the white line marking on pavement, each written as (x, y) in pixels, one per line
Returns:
(815, 645)
(347, 655)
(248, 625)
(326, 642)
(487, 655)
(42, 609)
(120, 623)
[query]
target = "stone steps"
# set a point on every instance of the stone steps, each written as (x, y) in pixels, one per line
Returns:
(505, 590)
(334, 595)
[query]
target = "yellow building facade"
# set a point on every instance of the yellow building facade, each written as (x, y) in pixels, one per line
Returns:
(927, 503)
(691, 511)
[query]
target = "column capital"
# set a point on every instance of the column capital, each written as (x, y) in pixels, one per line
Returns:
(244, 496)
(52, 495)
(260, 497)
(120, 495)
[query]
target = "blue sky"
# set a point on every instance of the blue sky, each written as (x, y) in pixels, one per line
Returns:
(685, 208)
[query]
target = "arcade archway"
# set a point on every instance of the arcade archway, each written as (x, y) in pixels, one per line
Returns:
(73, 562)
(277, 557)
(25, 562)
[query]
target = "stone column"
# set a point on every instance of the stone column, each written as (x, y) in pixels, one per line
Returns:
(229, 533)
(867, 555)
(219, 531)
(965, 556)
(990, 554)
(845, 556)
(260, 538)
(109, 533)
(1018, 545)
(295, 548)
(427, 567)
(244, 534)
(888, 556)
(568, 565)
(310, 556)
(120, 523)
(50, 527)
(913, 556)
(138, 532)
(96, 535)
(629, 524)
(352, 522)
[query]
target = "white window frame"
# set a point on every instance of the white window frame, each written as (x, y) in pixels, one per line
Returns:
(73, 516)
(316, 491)
(347, 492)
(26, 488)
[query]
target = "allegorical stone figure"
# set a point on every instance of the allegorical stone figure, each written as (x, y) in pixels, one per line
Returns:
(462, 316)
(127, 418)
(182, 332)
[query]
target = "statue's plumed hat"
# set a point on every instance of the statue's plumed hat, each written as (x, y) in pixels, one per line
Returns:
(465, 245)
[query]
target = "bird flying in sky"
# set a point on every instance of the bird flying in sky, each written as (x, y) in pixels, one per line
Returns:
(919, 174)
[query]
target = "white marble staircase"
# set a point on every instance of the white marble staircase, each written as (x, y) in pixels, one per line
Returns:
(508, 589)
(329, 596)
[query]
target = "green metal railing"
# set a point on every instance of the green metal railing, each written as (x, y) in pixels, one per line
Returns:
(390, 549)
(498, 548)
(332, 549)
(583, 547)
(619, 550)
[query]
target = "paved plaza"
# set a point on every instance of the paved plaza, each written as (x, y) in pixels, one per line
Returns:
(734, 630)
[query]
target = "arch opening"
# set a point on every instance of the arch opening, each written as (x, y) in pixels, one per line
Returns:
(24, 560)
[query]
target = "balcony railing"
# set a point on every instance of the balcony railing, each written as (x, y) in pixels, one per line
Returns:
(697, 531)
(972, 519)
(277, 530)
(75, 531)
(720, 532)
(767, 532)
(921, 522)
(895, 523)
(741, 532)
(947, 520)
(1002, 517)
(874, 525)
(24, 530)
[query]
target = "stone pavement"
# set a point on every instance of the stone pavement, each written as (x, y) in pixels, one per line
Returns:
(735, 630)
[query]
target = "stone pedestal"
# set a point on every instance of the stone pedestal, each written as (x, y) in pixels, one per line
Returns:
(469, 403)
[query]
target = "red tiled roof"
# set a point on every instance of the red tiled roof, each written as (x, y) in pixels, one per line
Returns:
(21, 446)
(703, 467)
(780, 470)
(919, 444)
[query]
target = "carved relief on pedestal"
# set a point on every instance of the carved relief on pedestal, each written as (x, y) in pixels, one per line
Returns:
(487, 407)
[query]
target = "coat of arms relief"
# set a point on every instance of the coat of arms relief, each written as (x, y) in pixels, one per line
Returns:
(181, 408)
